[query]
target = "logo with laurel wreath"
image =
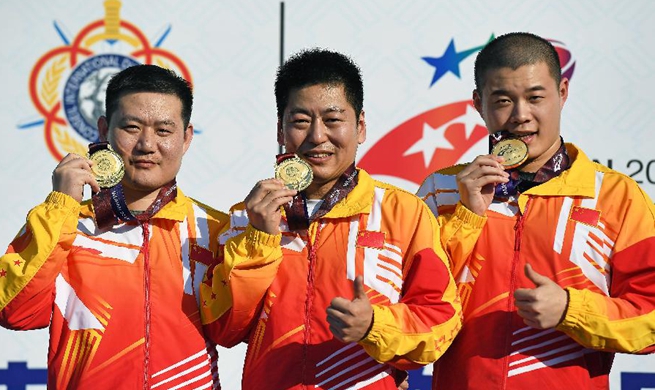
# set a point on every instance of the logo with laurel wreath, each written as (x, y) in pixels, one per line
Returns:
(67, 84)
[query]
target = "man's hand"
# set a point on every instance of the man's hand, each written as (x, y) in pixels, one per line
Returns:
(71, 174)
(544, 306)
(263, 204)
(476, 182)
(350, 320)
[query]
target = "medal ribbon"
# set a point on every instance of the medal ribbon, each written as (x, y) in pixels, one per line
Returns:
(521, 181)
(110, 208)
(284, 156)
(346, 183)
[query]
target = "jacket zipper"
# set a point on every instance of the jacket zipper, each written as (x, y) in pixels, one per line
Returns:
(518, 231)
(146, 280)
(309, 298)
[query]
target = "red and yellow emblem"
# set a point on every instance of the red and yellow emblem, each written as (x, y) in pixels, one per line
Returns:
(67, 83)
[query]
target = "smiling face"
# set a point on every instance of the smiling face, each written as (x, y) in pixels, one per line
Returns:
(320, 126)
(527, 102)
(148, 132)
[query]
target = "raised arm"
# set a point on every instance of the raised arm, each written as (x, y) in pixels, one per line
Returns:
(250, 255)
(34, 258)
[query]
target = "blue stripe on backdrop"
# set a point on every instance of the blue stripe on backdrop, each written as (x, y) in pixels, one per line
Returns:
(418, 381)
(637, 381)
(17, 376)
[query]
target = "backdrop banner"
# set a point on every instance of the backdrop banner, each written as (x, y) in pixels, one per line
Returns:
(417, 61)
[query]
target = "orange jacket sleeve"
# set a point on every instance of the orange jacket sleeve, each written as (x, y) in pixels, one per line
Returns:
(33, 260)
(235, 287)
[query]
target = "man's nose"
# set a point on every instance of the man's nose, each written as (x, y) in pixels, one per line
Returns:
(317, 132)
(520, 112)
(146, 140)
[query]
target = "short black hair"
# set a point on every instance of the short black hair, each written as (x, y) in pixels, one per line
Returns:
(148, 78)
(514, 50)
(319, 66)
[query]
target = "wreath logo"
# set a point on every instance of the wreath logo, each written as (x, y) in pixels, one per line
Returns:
(67, 84)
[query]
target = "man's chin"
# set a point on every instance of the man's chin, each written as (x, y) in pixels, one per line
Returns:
(144, 187)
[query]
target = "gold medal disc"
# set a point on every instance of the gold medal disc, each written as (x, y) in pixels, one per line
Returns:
(295, 173)
(513, 150)
(107, 167)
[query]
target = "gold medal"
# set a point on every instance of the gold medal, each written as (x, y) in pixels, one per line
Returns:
(295, 173)
(513, 150)
(107, 167)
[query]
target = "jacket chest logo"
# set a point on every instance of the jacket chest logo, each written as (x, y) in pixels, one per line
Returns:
(370, 239)
(584, 215)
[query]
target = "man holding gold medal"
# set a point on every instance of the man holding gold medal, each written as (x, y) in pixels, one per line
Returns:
(116, 278)
(335, 280)
(554, 254)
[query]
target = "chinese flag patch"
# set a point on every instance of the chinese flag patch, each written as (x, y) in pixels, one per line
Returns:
(587, 216)
(370, 239)
(201, 255)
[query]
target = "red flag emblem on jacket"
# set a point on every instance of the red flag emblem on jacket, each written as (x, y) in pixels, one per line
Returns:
(589, 217)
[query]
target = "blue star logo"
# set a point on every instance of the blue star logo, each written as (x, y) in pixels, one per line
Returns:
(449, 61)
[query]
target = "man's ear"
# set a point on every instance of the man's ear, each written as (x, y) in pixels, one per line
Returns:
(361, 128)
(188, 136)
(103, 128)
(563, 91)
(280, 134)
(477, 101)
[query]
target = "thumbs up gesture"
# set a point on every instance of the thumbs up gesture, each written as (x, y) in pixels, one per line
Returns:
(541, 307)
(350, 320)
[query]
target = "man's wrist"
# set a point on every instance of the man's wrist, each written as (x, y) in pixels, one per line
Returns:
(566, 307)
(370, 326)
(469, 217)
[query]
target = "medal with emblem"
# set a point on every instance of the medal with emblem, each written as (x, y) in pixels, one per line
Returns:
(107, 166)
(513, 150)
(294, 172)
